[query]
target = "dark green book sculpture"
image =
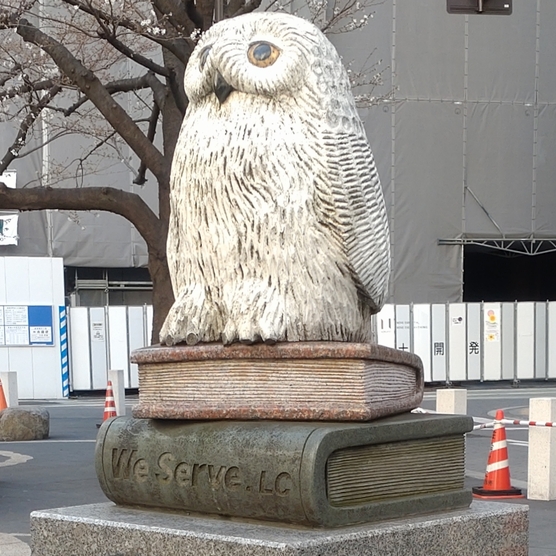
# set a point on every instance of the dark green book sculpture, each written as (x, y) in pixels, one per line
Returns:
(308, 473)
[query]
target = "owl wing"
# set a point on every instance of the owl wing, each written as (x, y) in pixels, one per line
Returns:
(360, 212)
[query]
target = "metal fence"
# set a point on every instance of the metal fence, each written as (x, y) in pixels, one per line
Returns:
(457, 342)
(475, 341)
(102, 338)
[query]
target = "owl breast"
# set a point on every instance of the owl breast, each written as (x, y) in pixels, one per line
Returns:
(248, 196)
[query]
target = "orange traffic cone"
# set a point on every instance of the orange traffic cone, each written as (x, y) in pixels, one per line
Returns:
(109, 404)
(497, 478)
(3, 403)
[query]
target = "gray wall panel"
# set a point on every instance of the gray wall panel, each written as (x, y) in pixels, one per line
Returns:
(371, 44)
(429, 50)
(545, 220)
(428, 192)
(547, 51)
(502, 55)
(500, 168)
(102, 240)
(32, 230)
(378, 125)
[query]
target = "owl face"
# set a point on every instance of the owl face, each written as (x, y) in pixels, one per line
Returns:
(268, 54)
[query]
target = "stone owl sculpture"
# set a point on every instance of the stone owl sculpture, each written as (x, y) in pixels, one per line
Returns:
(278, 229)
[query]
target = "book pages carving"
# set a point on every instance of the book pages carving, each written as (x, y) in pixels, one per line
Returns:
(278, 229)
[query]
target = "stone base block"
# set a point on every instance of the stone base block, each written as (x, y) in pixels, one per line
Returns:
(489, 528)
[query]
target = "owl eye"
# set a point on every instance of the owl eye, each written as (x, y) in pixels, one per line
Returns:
(263, 54)
(203, 57)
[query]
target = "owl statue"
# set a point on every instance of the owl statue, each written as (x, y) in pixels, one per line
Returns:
(278, 229)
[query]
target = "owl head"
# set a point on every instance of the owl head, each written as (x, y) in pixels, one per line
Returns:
(276, 55)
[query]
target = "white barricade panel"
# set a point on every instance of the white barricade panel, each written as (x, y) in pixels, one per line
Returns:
(525, 340)
(540, 339)
(457, 325)
(474, 341)
(21, 361)
(386, 326)
(136, 332)
(492, 352)
(508, 341)
(551, 340)
(403, 331)
(80, 355)
(438, 342)
(99, 347)
(117, 335)
(422, 337)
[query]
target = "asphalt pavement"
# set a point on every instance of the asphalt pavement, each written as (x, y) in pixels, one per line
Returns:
(59, 472)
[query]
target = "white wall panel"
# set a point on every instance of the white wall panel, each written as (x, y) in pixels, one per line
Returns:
(46, 383)
(17, 280)
(136, 339)
(2, 281)
(551, 340)
(40, 282)
(99, 347)
(422, 336)
(540, 340)
(525, 340)
(29, 281)
(386, 326)
(21, 361)
(457, 340)
(403, 330)
(80, 354)
(474, 341)
(438, 342)
(117, 335)
(4, 352)
(508, 341)
(58, 286)
(492, 353)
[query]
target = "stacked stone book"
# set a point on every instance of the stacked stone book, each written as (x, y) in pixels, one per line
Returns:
(324, 473)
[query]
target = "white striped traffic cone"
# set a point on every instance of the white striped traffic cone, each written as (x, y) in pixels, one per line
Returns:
(497, 478)
(109, 404)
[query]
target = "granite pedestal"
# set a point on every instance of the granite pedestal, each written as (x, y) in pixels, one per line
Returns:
(486, 528)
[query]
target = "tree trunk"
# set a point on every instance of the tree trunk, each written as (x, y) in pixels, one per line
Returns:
(163, 295)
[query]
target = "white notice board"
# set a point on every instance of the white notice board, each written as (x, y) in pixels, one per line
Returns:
(26, 325)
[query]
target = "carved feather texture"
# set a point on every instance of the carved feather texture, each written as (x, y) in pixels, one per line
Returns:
(278, 230)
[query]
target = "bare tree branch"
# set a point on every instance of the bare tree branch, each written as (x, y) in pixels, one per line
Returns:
(26, 88)
(90, 85)
(126, 51)
(248, 7)
(158, 89)
(153, 121)
(11, 73)
(13, 151)
(180, 47)
(176, 13)
(128, 205)
(114, 87)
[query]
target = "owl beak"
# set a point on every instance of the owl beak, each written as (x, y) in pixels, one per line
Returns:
(221, 88)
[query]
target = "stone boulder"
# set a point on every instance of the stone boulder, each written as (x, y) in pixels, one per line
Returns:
(24, 423)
